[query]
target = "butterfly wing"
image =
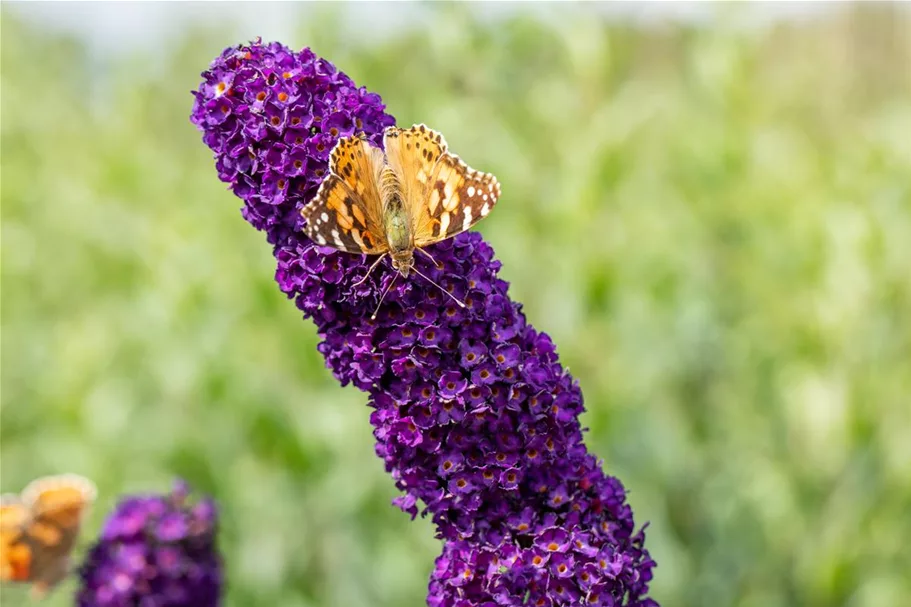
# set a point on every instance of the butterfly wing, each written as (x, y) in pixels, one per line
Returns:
(15, 555)
(346, 212)
(412, 154)
(56, 507)
(459, 197)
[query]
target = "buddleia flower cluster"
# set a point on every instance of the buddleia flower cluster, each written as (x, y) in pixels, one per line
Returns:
(473, 414)
(154, 550)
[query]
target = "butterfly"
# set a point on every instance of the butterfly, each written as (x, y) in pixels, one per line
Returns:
(38, 529)
(415, 194)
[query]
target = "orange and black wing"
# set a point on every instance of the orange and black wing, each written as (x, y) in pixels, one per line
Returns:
(15, 553)
(346, 212)
(459, 197)
(444, 195)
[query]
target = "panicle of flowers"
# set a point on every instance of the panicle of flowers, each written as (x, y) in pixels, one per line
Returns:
(473, 414)
(154, 550)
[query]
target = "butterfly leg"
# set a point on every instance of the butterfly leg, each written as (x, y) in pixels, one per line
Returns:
(375, 264)
(430, 257)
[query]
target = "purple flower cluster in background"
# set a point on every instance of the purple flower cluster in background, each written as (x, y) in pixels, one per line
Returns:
(154, 550)
(473, 414)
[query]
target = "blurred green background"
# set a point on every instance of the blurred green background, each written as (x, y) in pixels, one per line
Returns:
(713, 222)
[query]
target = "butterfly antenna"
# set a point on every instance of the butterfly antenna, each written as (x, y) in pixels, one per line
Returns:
(427, 278)
(370, 271)
(383, 296)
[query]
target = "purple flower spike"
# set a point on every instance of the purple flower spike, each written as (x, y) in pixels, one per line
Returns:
(154, 550)
(473, 415)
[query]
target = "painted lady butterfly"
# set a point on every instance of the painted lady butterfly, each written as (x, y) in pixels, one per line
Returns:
(414, 195)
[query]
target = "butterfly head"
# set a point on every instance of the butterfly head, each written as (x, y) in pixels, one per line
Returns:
(403, 261)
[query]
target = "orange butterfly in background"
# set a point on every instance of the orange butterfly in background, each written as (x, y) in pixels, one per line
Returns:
(38, 530)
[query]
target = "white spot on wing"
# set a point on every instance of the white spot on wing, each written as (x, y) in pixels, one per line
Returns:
(471, 190)
(451, 203)
(485, 209)
(466, 223)
(444, 223)
(337, 239)
(356, 235)
(324, 216)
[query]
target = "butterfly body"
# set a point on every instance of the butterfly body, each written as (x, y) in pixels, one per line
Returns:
(411, 196)
(397, 224)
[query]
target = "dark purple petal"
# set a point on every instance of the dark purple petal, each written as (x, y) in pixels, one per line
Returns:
(510, 478)
(472, 353)
(554, 539)
(434, 336)
(562, 565)
(451, 384)
(450, 410)
(450, 463)
(461, 485)
(484, 374)
(507, 356)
